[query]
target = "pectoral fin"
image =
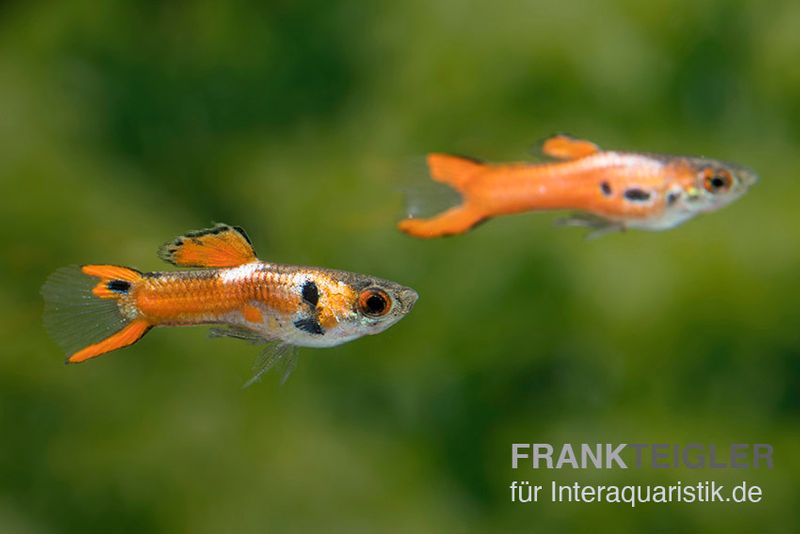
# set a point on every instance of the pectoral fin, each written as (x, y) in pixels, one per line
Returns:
(237, 332)
(598, 225)
(220, 246)
(563, 146)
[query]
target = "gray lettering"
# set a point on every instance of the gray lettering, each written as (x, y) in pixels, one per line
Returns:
(567, 456)
(762, 451)
(638, 447)
(712, 460)
(738, 452)
(547, 456)
(660, 455)
(516, 455)
(595, 456)
(701, 458)
(612, 455)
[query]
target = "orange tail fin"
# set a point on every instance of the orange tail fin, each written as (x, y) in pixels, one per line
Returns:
(88, 317)
(457, 172)
(454, 171)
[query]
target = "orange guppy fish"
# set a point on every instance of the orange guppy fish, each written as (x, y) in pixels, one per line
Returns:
(94, 309)
(608, 190)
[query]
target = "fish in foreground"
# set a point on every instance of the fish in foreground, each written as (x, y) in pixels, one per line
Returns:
(94, 309)
(608, 190)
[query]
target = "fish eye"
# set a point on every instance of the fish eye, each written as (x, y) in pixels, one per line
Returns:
(374, 302)
(716, 181)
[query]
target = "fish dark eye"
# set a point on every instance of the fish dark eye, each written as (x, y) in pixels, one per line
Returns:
(716, 181)
(374, 302)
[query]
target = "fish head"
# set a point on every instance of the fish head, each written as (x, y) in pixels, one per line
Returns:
(353, 305)
(712, 184)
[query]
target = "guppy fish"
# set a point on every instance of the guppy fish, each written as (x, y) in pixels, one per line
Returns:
(94, 309)
(609, 190)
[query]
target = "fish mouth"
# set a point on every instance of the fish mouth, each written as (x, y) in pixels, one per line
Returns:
(408, 297)
(748, 177)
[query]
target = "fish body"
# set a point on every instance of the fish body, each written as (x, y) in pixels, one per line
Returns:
(608, 189)
(93, 309)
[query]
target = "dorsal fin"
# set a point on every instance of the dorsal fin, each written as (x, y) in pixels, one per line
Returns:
(563, 146)
(220, 246)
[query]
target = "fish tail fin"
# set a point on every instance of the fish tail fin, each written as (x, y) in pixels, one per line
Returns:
(88, 317)
(457, 172)
(454, 221)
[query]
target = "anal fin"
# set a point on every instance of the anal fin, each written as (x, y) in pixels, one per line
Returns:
(282, 356)
(276, 353)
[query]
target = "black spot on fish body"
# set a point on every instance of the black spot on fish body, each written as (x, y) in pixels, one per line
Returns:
(310, 293)
(672, 197)
(605, 187)
(118, 286)
(310, 325)
(636, 194)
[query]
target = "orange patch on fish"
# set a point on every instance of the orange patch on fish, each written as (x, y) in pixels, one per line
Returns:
(339, 302)
(252, 314)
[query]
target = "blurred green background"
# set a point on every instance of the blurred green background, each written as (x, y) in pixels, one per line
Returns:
(123, 124)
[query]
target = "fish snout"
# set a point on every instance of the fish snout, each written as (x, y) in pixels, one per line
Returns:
(748, 177)
(408, 297)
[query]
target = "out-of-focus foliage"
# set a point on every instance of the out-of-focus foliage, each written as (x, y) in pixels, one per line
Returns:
(125, 123)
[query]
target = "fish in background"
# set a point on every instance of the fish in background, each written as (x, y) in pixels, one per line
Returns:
(94, 309)
(608, 190)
